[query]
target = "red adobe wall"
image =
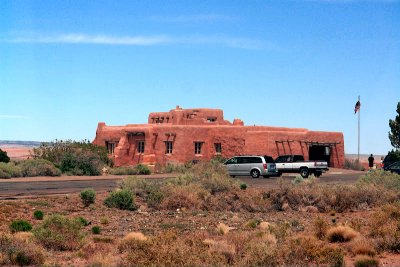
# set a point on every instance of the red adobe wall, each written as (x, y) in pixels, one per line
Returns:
(184, 127)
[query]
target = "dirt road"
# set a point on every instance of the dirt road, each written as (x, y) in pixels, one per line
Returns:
(39, 186)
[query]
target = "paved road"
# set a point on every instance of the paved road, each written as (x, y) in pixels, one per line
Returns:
(24, 187)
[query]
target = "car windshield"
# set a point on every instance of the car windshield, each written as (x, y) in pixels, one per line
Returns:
(269, 159)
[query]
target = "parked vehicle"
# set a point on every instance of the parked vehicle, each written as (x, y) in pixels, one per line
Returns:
(393, 168)
(251, 165)
(297, 164)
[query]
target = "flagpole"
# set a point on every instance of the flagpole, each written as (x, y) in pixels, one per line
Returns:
(359, 110)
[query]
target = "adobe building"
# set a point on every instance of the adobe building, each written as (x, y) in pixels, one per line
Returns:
(182, 135)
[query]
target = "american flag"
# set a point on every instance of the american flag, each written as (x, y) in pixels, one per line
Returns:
(357, 107)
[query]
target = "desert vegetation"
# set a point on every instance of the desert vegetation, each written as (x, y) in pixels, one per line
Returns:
(205, 218)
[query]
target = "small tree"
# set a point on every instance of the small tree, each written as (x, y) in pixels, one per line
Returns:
(394, 134)
(4, 157)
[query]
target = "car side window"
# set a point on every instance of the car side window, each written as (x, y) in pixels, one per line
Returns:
(241, 160)
(232, 161)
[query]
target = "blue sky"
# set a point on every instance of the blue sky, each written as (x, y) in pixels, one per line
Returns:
(66, 65)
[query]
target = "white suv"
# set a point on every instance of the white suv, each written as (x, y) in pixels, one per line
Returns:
(251, 165)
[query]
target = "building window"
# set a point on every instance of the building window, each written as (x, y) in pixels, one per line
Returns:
(197, 147)
(110, 147)
(140, 146)
(168, 147)
(218, 148)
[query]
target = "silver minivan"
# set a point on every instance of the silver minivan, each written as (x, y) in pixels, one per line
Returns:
(251, 165)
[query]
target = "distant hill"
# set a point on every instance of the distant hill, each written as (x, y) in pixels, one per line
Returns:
(9, 143)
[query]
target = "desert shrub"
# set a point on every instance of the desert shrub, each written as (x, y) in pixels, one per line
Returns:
(4, 157)
(384, 228)
(259, 252)
(243, 186)
(139, 186)
(253, 223)
(82, 163)
(174, 168)
(88, 196)
(72, 157)
(171, 249)
(223, 229)
(19, 252)
(309, 251)
(83, 221)
(154, 198)
(123, 171)
(20, 226)
(121, 199)
(142, 169)
(9, 170)
(38, 167)
(341, 234)
(38, 214)
(351, 164)
(96, 230)
(135, 170)
(332, 197)
(189, 196)
(59, 233)
(320, 228)
(297, 180)
(104, 220)
(280, 230)
(218, 159)
(382, 178)
(362, 246)
(365, 261)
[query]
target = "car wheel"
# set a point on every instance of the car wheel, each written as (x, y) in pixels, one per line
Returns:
(266, 176)
(255, 173)
(304, 172)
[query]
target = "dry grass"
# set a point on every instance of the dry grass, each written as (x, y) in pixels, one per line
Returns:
(223, 229)
(14, 251)
(365, 261)
(264, 226)
(362, 246)
(341, 234)
(320, 228)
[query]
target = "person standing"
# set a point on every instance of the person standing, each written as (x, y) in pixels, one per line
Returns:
(371, 161)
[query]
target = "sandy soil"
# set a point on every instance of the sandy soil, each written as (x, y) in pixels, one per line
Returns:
(17, 153)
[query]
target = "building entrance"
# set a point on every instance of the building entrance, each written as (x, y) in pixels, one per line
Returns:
(320, 152)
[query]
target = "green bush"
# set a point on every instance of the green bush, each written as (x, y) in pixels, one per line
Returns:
(83, 221)
(365, 261)
(96, 230)
(243, 186)
(9, 170)
(38, 214)
(154, 198)
(391, 157)
(4, 157)
(38, 167)
(20, 226)
(138, 169)
(122, 199)
(142, 169)
(88, 196)
(72, 157)
(59, 233)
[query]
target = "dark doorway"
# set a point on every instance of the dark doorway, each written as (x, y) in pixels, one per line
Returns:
(320, 153)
